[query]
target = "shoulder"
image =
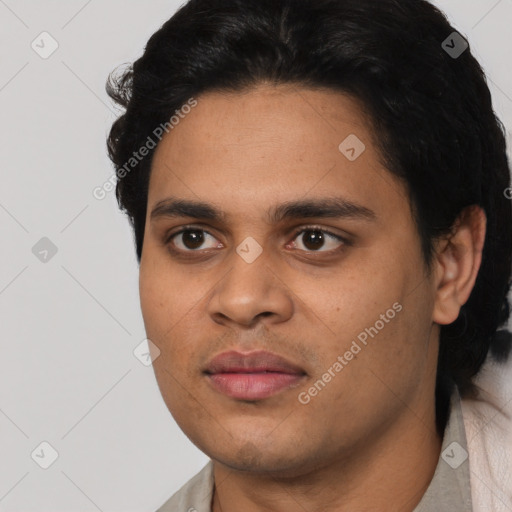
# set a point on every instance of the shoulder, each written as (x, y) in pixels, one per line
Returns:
(488, 425)
(194, 496)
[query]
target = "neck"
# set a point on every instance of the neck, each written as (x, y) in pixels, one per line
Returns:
(390, 473)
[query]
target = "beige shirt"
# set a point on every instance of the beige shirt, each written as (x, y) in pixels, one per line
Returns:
(449, 489)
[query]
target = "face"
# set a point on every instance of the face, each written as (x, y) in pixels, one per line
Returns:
(292, 311)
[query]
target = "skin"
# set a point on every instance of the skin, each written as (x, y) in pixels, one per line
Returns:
(367, 441)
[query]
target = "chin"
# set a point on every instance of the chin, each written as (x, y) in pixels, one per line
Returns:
(248, 456)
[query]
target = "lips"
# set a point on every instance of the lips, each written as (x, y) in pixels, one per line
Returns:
(252, 376)
(254, 362)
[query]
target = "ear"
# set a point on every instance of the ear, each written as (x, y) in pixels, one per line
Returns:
(457, 263)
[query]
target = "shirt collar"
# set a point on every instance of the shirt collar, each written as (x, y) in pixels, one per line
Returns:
(450, 487)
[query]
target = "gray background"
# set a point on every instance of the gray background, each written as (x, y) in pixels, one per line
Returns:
(69, 325)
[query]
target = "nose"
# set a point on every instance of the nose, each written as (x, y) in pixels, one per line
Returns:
(249, 292)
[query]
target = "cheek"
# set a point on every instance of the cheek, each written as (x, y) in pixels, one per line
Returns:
(376, 302)
(169, 304)
(164, 294)
(164, 314)
(160, 311)
(356, 296)
(152, 301)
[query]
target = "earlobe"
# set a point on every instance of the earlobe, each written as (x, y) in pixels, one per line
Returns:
(457, 261)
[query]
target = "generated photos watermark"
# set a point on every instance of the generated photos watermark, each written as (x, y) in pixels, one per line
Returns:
(305, 397)
(101, 192)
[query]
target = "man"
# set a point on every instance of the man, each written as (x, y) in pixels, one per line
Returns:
(318, 194)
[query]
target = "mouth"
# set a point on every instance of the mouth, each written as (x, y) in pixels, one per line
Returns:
(252, 376)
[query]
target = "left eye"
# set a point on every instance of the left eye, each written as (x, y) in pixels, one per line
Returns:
(315, 238)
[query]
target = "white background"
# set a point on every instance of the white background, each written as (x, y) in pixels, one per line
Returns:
(68, 327)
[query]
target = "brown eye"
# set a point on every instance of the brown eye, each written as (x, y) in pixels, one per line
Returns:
(313, 239)
(190, 239)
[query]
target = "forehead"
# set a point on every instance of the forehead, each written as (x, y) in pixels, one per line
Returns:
(266, 116)
(279, 142)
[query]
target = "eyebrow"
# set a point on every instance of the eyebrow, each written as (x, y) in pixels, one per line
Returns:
(332, 207)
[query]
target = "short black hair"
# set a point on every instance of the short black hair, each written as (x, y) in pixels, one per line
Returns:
(431, 112)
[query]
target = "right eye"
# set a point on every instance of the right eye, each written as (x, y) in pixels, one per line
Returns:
(190, 239)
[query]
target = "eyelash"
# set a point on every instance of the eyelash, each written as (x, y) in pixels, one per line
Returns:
(296, 233)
